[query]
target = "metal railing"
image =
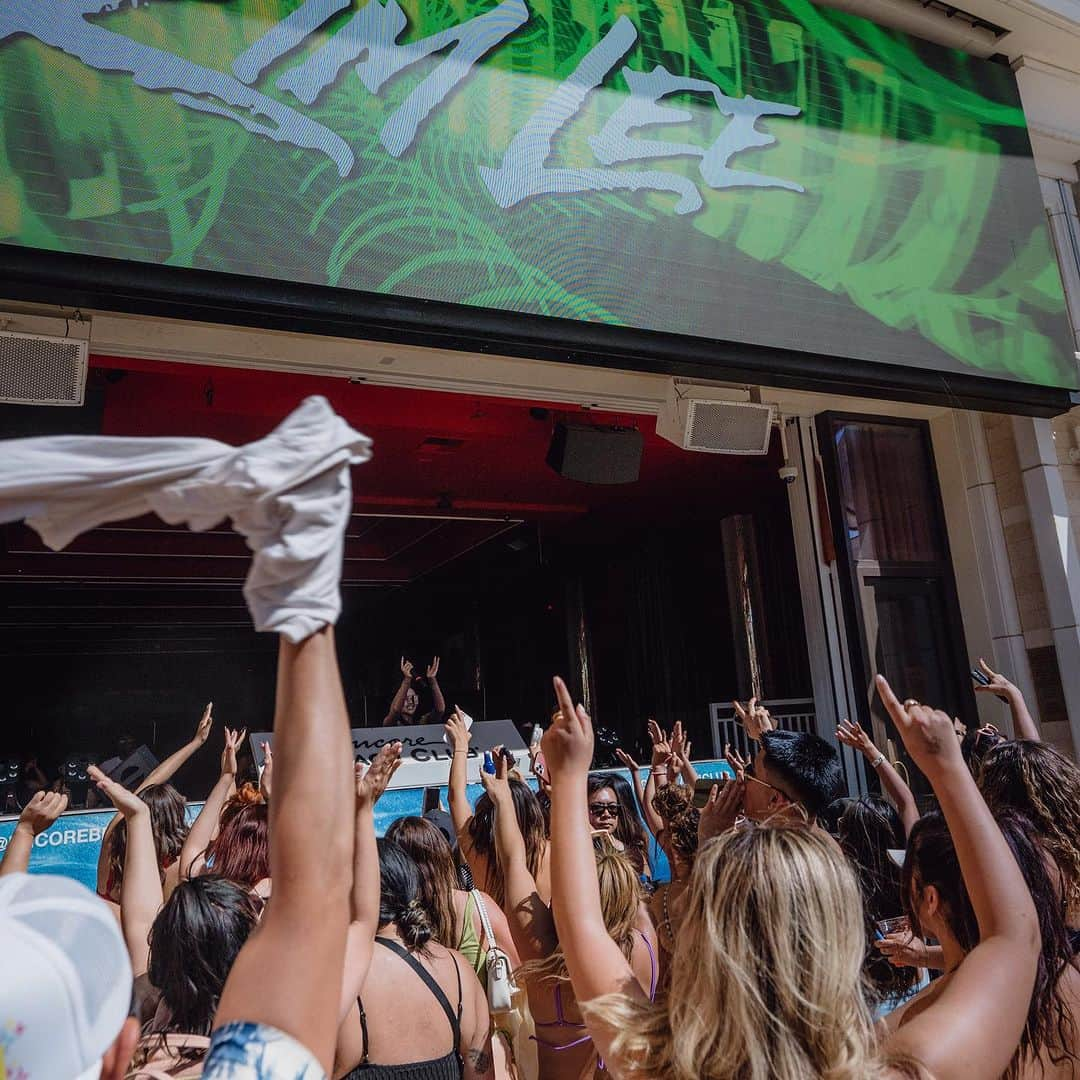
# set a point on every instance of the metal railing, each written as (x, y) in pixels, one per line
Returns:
(790, 714)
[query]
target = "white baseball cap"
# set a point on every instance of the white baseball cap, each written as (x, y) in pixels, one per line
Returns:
(66, 990)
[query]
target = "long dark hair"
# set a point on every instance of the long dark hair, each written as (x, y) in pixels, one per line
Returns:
(193, 943)
(167, 822)
(241, 851)
(866, 828)
(530, 819)
(1045, 786)
(977, 743)
(430, 850)
(628, 828)
(399, 889)
(931, 860)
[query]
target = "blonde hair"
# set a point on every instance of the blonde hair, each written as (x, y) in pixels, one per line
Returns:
(766, 971)
(620, 895)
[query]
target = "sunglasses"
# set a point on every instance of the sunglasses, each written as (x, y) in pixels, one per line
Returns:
(603, 809)
(749, 774)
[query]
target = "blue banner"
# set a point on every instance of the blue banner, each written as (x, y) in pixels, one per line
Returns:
(70, 847)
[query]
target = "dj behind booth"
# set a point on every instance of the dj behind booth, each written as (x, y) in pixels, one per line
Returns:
(72, 845)
(419, 787)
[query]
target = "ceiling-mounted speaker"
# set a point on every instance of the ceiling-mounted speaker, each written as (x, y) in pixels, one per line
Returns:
(39, 370)
(701, 418)
(596, 455)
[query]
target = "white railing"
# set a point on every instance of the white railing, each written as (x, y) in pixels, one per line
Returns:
(790, 714)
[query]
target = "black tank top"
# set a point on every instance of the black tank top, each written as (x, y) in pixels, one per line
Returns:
(449, 1067)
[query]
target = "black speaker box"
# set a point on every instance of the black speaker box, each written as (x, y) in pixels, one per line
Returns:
(596, 455)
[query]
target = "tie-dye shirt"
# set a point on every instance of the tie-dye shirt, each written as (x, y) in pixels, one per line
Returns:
(242, 1051)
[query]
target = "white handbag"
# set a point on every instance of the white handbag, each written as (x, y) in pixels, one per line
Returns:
(500, 977)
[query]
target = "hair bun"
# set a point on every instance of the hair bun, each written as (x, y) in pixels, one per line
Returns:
(415, 925)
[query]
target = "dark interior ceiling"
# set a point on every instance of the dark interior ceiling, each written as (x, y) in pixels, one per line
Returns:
(450, 472)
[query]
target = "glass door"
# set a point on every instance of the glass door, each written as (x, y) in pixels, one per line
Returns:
(892, 551)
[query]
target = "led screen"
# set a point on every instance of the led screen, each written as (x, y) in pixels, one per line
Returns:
(765, 171)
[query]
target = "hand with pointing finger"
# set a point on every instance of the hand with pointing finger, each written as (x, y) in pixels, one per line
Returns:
(999, 686)
(266, 777)
(206, 722)
(568, 743)
(927, 733)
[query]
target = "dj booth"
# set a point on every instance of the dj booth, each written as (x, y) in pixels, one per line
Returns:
(71, 846)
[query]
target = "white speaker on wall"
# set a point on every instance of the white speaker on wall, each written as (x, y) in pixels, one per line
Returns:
(704, 419)
(36, 369)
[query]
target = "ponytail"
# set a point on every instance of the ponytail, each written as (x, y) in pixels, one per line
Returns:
(414, 925)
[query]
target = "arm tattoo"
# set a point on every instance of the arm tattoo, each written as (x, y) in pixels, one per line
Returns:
(480, 1060)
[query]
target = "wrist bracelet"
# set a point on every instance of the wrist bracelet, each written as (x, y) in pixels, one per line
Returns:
(460, 752)
(877, 761)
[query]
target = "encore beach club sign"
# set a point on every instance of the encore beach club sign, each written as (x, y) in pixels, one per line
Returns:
(765, 171)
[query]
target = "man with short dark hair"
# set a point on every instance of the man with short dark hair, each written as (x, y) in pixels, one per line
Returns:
(792, 768)
(793, 775)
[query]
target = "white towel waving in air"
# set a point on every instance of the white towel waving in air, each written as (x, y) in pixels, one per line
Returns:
(288, 494)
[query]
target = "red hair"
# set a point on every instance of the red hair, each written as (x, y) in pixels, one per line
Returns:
(241, 852)
(246, 795)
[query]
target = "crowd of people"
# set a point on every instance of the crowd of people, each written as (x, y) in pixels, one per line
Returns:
(798, 934)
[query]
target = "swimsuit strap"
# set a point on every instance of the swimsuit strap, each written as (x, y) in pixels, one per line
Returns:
(436, 990)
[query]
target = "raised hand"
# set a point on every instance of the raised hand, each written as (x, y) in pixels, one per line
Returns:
(738, 763)
(851, 734)
(42, 811)
(626, 760)
(661, 748)
(202, 732)
(233, 740)
(266, 777)
(497, 784)
(927, 733)
(127, 802)
(433, 669)
(722, 810)
(568, 743)
(371, 780)
(754, 718)
(999, 686)
(457, 733)
(678, 741)
(406, 669)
